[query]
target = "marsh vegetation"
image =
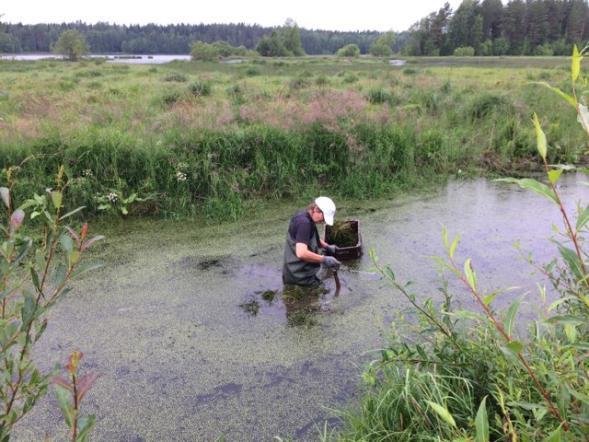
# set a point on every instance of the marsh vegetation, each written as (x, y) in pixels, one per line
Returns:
(210, 138)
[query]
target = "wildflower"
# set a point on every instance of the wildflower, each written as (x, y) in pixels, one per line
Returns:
(180, 176)
(112, 197)
(87, 173)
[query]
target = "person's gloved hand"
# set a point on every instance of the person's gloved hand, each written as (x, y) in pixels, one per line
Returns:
(331, 263)
(330, 250)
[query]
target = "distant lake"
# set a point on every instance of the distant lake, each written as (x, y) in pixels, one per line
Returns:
(118, 58)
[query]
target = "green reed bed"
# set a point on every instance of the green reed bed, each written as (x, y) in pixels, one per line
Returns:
(190, 137)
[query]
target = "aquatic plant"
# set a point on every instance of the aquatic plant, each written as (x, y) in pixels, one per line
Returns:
(476, 374)
(37, 266)
(342, 234)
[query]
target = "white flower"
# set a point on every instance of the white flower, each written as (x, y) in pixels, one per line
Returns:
(180, 176)
(112, 197)
(87, 173)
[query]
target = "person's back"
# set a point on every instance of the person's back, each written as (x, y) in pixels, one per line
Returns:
(301, 229)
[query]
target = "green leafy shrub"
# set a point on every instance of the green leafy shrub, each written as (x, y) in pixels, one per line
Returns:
(349, 50)
(175, 77)
(466, 51)
(378, 96)
(483, 105)
(200, 88)
(36, 272)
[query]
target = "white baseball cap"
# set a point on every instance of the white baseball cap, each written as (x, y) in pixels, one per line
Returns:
(327, 206)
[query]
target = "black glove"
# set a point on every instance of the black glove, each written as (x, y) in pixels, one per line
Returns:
(331, 250)
(331, 263)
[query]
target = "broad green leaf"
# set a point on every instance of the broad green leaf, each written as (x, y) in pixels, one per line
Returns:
(555, 436)
(540, 137)
(470, 274)
(515, 346)
(445, 237)
(35, 279)
(74, 257)
(489, 298)
(533, 185)
(63, 399)
(569, 99)
(583, 218)
(576, 63)
(56, 199)
(554, 175)
(572, 261)
(443, 413)
(66, 243)
(86, 266)
(27, 311)
(454, 245)
(124, 211)
(482, 423)
(85, 425)
(510, 316)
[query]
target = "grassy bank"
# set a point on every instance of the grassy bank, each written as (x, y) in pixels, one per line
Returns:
(209, 137)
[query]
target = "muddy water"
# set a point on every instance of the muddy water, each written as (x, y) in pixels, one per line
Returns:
(194, 338)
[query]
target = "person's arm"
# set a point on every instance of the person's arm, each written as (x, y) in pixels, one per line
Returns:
(304, 254)
(323, 244)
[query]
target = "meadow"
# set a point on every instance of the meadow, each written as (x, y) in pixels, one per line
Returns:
(190, 138)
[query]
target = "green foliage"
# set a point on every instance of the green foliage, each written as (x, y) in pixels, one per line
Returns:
(378, 96)
(382, 46)
(201, 51)
(200, 88)
(36, 273)
(349, 50)
(484, 105)
(175, 77)
(476, 374)
(71, 44)
(466, 51)
(285, 42)
(69, 393)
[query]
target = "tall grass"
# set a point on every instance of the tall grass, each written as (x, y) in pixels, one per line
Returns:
(271, 135)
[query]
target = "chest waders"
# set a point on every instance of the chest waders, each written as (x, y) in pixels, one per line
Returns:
(300, 272)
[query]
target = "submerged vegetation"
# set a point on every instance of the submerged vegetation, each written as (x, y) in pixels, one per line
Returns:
(209, 137)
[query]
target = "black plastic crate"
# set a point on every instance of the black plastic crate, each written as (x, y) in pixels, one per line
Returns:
(347, 253)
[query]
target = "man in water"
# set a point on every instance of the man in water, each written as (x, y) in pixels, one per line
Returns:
(302, 260)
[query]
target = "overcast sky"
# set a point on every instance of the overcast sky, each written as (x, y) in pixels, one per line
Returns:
(344, 15)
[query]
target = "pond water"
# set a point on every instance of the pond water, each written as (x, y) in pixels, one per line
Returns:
(117, 58)
(194, 338)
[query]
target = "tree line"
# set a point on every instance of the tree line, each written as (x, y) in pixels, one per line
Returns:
(169, 39)
(488, 27)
